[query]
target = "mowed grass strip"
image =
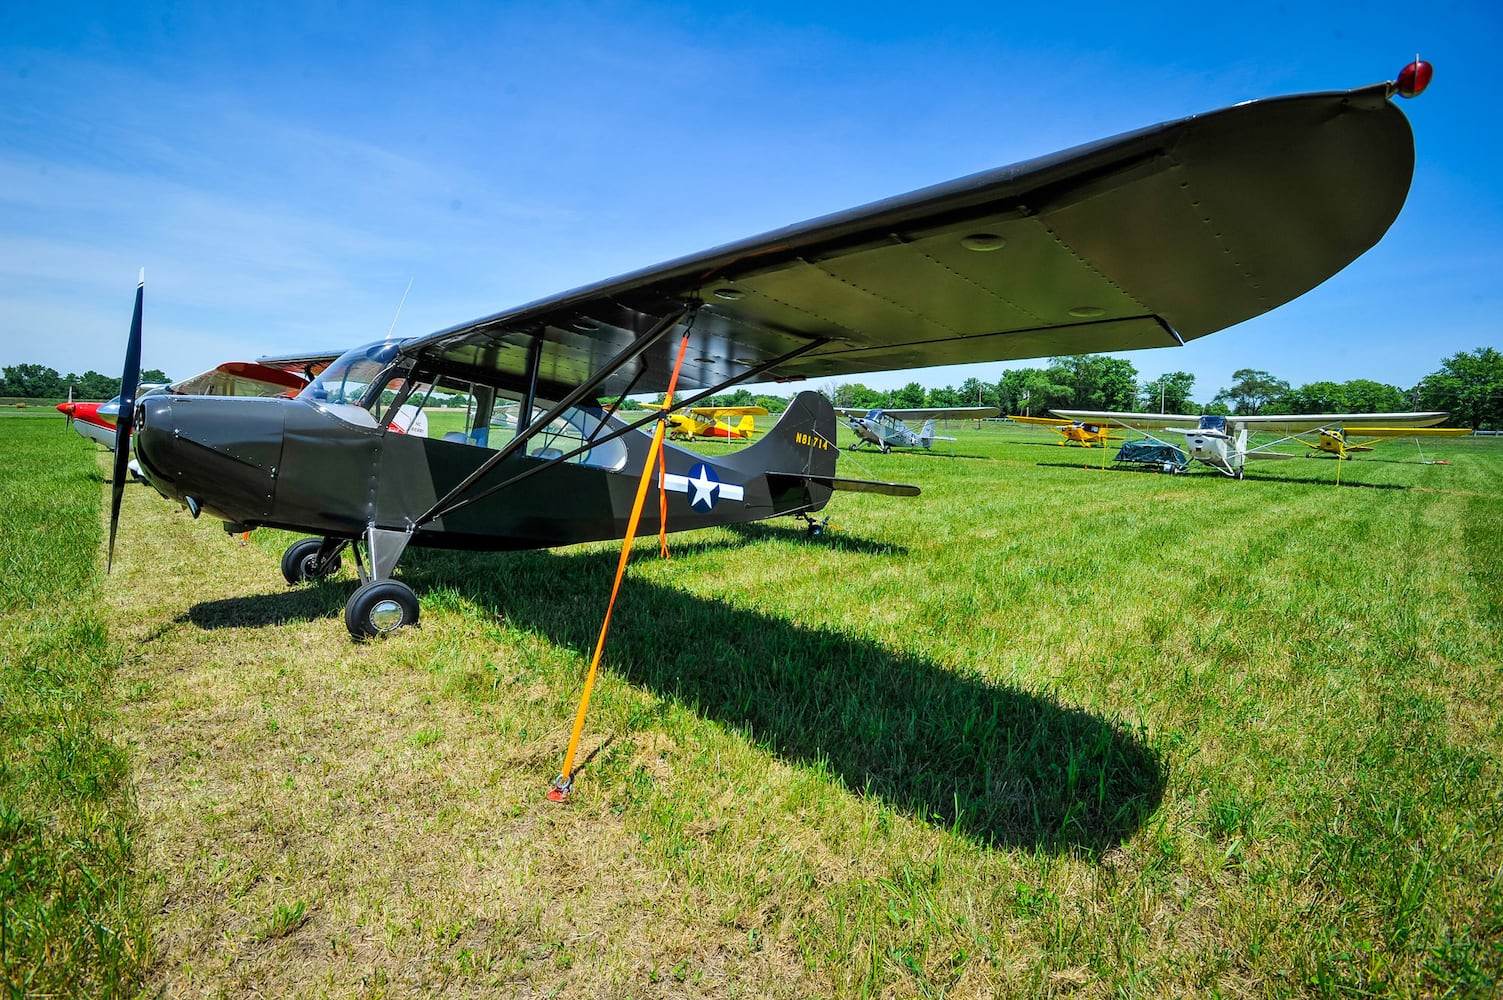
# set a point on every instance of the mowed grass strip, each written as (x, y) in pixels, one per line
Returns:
(70, 919)
(1044, 730)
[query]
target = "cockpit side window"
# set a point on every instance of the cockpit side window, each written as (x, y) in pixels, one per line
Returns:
(490, 419)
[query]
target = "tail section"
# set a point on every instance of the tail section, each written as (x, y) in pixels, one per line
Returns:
(926, 436)
(798, 458)
(801, 443)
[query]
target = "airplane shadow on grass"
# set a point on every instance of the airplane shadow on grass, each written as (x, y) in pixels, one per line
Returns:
(998, 764)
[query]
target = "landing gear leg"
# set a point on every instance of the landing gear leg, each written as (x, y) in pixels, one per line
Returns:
(816, 526)
(380, 605)
(310, 559)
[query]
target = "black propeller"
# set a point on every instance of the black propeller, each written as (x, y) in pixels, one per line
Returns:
(130, 377)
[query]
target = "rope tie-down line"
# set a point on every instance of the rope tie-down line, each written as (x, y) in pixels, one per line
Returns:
(656, 463)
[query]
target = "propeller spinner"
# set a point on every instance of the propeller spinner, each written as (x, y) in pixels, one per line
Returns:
(130, 378)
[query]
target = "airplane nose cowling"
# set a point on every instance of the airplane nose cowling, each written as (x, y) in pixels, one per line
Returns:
(222, 451)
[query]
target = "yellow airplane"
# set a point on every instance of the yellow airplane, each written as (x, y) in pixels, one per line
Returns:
(711, 422)
(1078, 431)
(1343, 441)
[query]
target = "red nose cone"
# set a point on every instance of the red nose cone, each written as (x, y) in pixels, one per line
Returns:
(1414, 78)
(67, 408)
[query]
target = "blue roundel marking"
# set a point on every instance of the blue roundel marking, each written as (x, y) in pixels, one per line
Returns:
(703, 488)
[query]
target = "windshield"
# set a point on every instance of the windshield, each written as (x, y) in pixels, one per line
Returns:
(347, 379)
(1210, 422)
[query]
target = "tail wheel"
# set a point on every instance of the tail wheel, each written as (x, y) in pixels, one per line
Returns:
(300, 562)
(380, 607)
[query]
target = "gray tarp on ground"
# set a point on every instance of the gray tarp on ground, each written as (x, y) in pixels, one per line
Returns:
(1146, 452)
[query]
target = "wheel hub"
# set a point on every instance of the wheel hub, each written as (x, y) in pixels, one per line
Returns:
(386, 616)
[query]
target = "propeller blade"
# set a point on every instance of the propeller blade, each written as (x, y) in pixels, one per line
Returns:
(130, 377)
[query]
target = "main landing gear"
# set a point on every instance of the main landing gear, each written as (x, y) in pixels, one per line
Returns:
(380, 605)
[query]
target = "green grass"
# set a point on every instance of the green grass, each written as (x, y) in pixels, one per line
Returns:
(1044, 730)
(70, 920)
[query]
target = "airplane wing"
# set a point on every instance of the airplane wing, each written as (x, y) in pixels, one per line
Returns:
(946, 412)
(1387, 432)
(306, 365)
(729, 411)
(1297, 423)
(1148, 239)
(241, 378)
(1048, 421)
(1133, 420)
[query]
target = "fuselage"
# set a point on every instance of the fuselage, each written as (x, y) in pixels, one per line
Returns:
(331, 470)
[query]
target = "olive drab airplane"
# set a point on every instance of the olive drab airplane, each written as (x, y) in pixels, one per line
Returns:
(1149, 239)
(1072, 431)
(886, 430)
(1222, 442)
(711, 421)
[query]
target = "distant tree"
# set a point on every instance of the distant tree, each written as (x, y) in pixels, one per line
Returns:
(772, 404)
(1251, 390)
(974, 392)
(911, 396)
(153, 375)
(1169, 393)
(1032, 391)
(1357, 396)
(1469, 385)
(948, 396)
(31, 382)
(1315, 397)
(855, 396)
(92, 385)
(1099, 382)
(1217, 408)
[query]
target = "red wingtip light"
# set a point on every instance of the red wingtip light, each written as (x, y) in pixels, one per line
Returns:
(1414, 78)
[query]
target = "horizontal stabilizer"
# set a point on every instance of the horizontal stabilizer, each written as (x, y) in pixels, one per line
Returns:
(852, 485)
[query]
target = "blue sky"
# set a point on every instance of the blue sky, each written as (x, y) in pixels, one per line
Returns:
(283, 171)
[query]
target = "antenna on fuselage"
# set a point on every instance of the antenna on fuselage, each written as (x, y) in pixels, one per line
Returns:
(399, 310)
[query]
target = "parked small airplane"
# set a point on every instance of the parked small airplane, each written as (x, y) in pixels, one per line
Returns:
(1344, 441)
(96, 421)
(1078, 431)
(1221, 442)
(711, 421)
(886, 430)
(1051, 256)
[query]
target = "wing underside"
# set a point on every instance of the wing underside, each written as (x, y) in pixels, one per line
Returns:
(1144, 240)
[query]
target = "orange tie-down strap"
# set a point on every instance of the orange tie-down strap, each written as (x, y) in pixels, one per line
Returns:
(562, 784)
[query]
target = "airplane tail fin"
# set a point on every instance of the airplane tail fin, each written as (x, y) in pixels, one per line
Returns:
(926, 436)
(747, 425)
(802, 442)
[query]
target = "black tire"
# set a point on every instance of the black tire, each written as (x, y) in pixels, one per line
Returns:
(300, 560)
(379, 608)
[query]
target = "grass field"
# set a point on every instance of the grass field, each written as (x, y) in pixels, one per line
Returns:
(1044, 730)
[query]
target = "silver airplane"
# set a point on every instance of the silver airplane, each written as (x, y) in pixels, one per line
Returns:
(886, 430)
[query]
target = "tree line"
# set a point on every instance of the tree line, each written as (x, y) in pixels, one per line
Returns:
(41, 382)
(1468, 384)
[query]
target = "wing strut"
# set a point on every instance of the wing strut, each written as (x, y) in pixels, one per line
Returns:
(440, 510)
(580, 391)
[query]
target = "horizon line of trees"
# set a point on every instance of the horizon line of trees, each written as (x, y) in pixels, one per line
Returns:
(1469, 385)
